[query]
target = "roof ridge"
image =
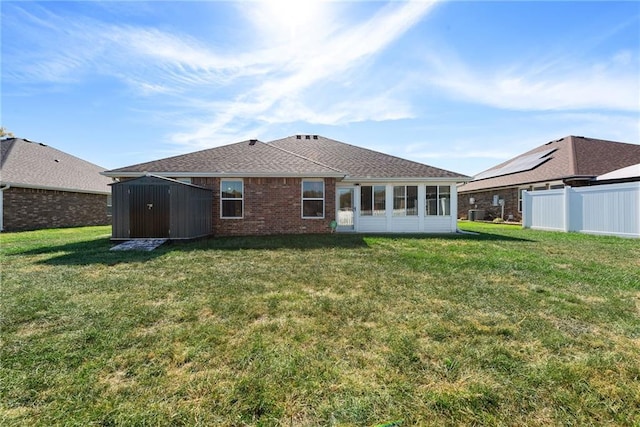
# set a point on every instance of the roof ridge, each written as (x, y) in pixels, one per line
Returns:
(378, 152)
(58, 151)
(31, 164)
(301, 156)
(573, 159)
(369, 150)
(11, 142)
(402, 159)
(175, 156)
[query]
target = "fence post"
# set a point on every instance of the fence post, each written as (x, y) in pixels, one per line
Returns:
(567, 208)
(526, 217)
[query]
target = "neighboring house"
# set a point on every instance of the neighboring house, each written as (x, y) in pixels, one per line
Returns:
(627, 174)
(571, 161)
(299, 184)
(41, 187)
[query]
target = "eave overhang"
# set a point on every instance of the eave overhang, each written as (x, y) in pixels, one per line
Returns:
(45, 187)
(368, 179)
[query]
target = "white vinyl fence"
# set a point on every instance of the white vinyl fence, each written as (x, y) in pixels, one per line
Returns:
(612, 209)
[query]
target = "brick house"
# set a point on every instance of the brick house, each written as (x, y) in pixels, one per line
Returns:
(41, 187)
(571, 161)
(307, 184)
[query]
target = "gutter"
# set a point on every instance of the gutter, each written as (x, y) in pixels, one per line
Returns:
(351, 179)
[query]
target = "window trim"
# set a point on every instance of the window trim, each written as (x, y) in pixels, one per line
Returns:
(303, 199)
(223, 199)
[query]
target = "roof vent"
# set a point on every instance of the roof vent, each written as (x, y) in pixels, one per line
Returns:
(307, 136)
(253, 141)
(315, 136)
(298, 136)
(56, 160)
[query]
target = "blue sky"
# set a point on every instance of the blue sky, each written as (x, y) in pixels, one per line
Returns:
(461, 85)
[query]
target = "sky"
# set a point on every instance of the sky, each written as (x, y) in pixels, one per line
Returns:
(460, 85)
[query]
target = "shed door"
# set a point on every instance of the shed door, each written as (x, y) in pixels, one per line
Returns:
(149, 211)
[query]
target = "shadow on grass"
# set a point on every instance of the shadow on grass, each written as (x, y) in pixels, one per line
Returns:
(87, 252)
(97, 251)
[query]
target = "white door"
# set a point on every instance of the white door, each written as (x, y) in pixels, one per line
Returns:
(346, 209)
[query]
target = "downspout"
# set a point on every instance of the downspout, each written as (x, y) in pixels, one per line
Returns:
(6, 187)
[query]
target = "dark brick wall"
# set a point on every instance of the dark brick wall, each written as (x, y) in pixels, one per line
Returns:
(271, 206)
(31, 209)
(484, 201)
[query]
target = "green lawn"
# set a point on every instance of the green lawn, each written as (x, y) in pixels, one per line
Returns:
(508, 327)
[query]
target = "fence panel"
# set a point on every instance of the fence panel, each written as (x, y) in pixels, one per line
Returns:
(544, 210)
(612, 209)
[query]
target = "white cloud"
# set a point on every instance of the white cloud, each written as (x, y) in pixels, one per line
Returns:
(319, 62)
(289, 73)
(569, 84)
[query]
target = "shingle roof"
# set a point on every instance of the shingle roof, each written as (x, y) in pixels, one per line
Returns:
(572, 157)
(358, 162)
(247, 158)
(35, 165)
(304, 155)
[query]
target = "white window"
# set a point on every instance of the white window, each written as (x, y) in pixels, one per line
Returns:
(405, 200)
(313, 199)
(231, 199)
(520, 193)
(372, 200)
(109, 205)
(438, 200)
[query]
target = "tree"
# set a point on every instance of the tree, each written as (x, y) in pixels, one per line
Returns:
(5, 133)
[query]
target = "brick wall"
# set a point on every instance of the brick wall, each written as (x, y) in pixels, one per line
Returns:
(271, 206)
(484, 201)
(30, 209)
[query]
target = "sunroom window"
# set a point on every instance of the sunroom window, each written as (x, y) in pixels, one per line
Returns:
(313, 199)
(405, 200)
(438, 200)
(231, 198)
(372, 200)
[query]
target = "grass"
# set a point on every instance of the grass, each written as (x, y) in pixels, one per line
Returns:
(507, 327)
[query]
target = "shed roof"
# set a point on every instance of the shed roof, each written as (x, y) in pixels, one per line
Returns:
(155, 179)
(30, 164)
(571, 157)
(298, 155)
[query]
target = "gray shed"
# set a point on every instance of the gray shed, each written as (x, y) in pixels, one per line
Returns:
(157, 207)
